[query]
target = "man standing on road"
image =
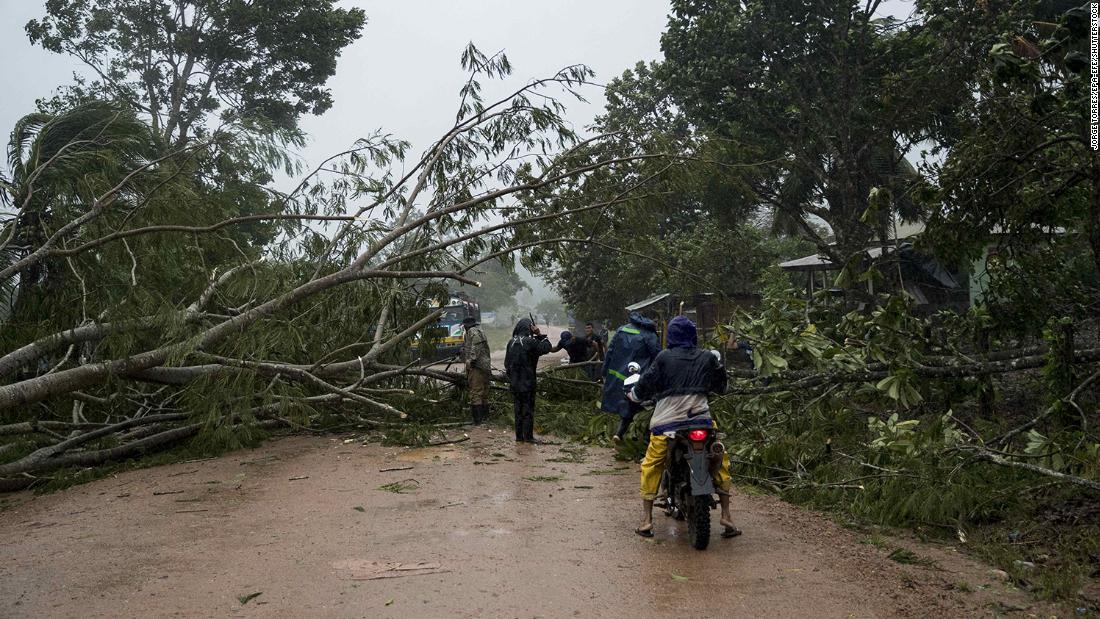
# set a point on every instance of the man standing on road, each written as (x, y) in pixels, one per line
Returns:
(635, 342)
(521, 360)
(475, 353)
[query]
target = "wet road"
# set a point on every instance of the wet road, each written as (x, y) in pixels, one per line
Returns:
(483, 528)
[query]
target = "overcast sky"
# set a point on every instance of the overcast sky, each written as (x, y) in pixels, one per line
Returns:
(402, 76)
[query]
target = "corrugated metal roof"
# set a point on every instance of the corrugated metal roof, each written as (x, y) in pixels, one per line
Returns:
(806, 263)
(644, 304)
(819, 262)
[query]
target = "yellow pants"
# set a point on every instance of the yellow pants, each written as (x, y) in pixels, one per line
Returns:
(654, 464)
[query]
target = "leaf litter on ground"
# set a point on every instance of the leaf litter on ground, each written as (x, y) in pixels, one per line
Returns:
(404, 486)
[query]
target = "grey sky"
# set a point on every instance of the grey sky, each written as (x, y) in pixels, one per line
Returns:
(402, 76)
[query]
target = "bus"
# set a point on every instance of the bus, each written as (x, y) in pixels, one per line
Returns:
(447, 335)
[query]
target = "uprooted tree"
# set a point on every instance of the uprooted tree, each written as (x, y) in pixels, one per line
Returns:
(137, 315)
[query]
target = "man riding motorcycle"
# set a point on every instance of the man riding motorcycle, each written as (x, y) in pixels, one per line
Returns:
(679, 380)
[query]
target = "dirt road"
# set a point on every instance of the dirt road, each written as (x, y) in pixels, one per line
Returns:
(483, 528)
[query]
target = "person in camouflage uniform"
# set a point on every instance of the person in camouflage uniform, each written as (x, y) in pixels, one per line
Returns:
(475, 353)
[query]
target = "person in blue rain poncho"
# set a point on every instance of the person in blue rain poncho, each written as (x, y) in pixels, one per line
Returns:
(635, 342)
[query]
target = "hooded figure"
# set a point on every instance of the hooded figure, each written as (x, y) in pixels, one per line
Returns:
(521, 359)
(682, 370)
(679, 381)
(635, 342)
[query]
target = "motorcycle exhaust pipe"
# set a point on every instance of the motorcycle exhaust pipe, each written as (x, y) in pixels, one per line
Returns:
(717, 448)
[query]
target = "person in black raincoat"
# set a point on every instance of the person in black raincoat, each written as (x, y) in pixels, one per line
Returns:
(521, 359)
(635, 341)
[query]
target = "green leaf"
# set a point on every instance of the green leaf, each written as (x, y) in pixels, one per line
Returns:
(244, 599)
(776, 361)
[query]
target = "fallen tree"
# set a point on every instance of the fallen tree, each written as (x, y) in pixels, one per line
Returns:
(136, 326)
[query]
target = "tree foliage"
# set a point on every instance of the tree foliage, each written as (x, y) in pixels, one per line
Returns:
(684, 225)
(1020, 176)
(824, 97)
(178, 61)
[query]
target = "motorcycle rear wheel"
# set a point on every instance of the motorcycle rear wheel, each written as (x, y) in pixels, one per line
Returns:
(699, 522)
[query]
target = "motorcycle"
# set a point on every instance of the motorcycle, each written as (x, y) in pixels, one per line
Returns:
(691, 463)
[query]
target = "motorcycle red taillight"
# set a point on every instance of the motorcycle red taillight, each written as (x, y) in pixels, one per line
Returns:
(698, 435)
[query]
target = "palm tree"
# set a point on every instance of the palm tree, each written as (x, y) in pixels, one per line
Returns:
(58, 163)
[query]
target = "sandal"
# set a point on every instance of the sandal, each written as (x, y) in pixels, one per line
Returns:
(731, 531)
(644, 532)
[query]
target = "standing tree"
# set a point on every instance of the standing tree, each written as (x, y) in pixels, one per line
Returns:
(173, 64)
(178, 61)
(551, 310)
(499, 286)
(826, 95)
(692, 229)
(1022, 172)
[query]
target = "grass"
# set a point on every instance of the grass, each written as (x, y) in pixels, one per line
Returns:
(875, 540)
(908, 557)
(963, 586)
(498, 335)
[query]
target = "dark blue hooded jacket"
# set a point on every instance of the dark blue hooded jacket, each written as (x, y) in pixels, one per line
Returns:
(634, 341)
(683, 368)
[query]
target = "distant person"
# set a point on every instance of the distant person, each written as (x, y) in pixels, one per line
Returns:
(738, 353)
(635, 342)
(600, 345)
(579, 348)
(475, 353)
(521, 360)
(598, 339)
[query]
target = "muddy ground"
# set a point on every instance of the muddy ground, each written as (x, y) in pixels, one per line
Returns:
(481, 528)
